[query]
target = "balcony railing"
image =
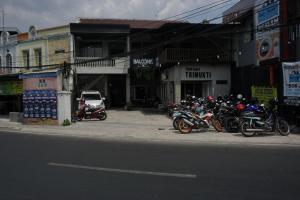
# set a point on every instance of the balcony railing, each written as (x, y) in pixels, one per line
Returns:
(92, 65)
(7, 70)
(172, 55)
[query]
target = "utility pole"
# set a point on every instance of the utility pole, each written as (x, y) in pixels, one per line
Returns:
(3, 19)
(2, 60)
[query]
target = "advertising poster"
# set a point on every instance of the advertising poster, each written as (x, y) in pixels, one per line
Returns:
(267, 29)
(264, 94)
(291, 83)
(11, 88)
(40, 99)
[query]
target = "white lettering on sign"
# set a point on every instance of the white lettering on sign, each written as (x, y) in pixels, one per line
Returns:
(206, 75)
(143, 62)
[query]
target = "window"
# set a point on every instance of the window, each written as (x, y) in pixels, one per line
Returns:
(38, 57)
(26, 58)
(8, 60)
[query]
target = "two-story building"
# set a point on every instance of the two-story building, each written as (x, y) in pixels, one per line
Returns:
(195, 60)
(167, 60)
(10, 85)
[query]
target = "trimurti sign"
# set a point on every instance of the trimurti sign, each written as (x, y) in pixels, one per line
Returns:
(195, 73)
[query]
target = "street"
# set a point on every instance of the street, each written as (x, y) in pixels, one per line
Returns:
(49, 167)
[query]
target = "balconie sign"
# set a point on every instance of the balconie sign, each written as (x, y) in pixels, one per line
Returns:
(143, 62)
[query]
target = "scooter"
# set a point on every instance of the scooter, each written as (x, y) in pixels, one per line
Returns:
(89, 112)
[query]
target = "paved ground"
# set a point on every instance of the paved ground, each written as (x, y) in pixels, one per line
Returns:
(145, 126)
(35, 167)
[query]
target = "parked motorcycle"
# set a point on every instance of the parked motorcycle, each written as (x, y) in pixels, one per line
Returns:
(266, 120)
(89, 112)
(195, 121)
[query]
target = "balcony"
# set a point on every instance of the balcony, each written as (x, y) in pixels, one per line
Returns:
(207, 56)
(86, 65)
(5, 70)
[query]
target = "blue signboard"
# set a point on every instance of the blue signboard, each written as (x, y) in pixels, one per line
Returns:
(268, 11)
(40, 104)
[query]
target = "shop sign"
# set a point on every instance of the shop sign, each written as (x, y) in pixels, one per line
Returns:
(291, 83)
(267, 29)
(11, 88)
(192, 73)
(264, 94)
(143, 62)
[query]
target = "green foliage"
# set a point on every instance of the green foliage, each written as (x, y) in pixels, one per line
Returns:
(66, 122)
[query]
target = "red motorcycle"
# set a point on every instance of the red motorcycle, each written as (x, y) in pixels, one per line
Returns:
(89, 112)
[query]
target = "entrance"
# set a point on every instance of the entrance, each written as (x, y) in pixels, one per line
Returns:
(117, 90)
(191, 88)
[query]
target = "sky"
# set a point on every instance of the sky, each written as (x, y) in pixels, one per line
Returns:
(50, 13)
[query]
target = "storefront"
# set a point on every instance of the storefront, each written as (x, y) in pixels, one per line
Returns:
(144, 81)
(199, 80)
(11, 89)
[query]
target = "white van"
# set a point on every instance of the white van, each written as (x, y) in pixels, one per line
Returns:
(92, 98)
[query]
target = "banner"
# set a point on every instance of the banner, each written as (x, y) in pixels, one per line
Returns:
(291, 83)
(264, 94)
(11, 87)
(267, 29)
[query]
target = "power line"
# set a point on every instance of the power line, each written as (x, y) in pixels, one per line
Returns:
(166, 42)
(33, 58)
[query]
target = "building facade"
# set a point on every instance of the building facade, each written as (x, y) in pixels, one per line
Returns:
(10, 85)
(267, 39)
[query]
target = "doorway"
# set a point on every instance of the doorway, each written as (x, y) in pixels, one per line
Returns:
(191, 88)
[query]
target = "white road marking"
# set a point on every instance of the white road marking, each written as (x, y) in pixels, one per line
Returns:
(128, 171)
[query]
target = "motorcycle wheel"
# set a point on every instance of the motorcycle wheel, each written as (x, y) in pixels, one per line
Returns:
(102, 116)
(217, 125)
(244, 131)
(175, 123)
(183, 127)
(283, 127)
(230, 125)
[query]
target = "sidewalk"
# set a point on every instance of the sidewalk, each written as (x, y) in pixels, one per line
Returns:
(145, 126)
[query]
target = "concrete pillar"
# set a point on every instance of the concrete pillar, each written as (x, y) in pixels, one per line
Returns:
(128, 102)
(64, 106)
(128, 89)
(177, 91)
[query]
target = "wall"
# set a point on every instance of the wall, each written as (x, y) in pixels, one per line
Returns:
(207, 74)
(31, 45)
(59, 49)
(8, 48)
(48, 40)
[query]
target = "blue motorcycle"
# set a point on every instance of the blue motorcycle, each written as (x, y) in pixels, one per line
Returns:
(261, 119)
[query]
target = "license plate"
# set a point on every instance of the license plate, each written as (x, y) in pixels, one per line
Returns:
(88, 113)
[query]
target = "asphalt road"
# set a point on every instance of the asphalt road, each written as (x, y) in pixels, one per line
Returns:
(46, 167)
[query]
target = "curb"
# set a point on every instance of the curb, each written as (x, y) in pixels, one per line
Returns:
(166, 141)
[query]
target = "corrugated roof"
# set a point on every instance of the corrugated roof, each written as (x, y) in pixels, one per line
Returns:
(133, 23)
(22, 36)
